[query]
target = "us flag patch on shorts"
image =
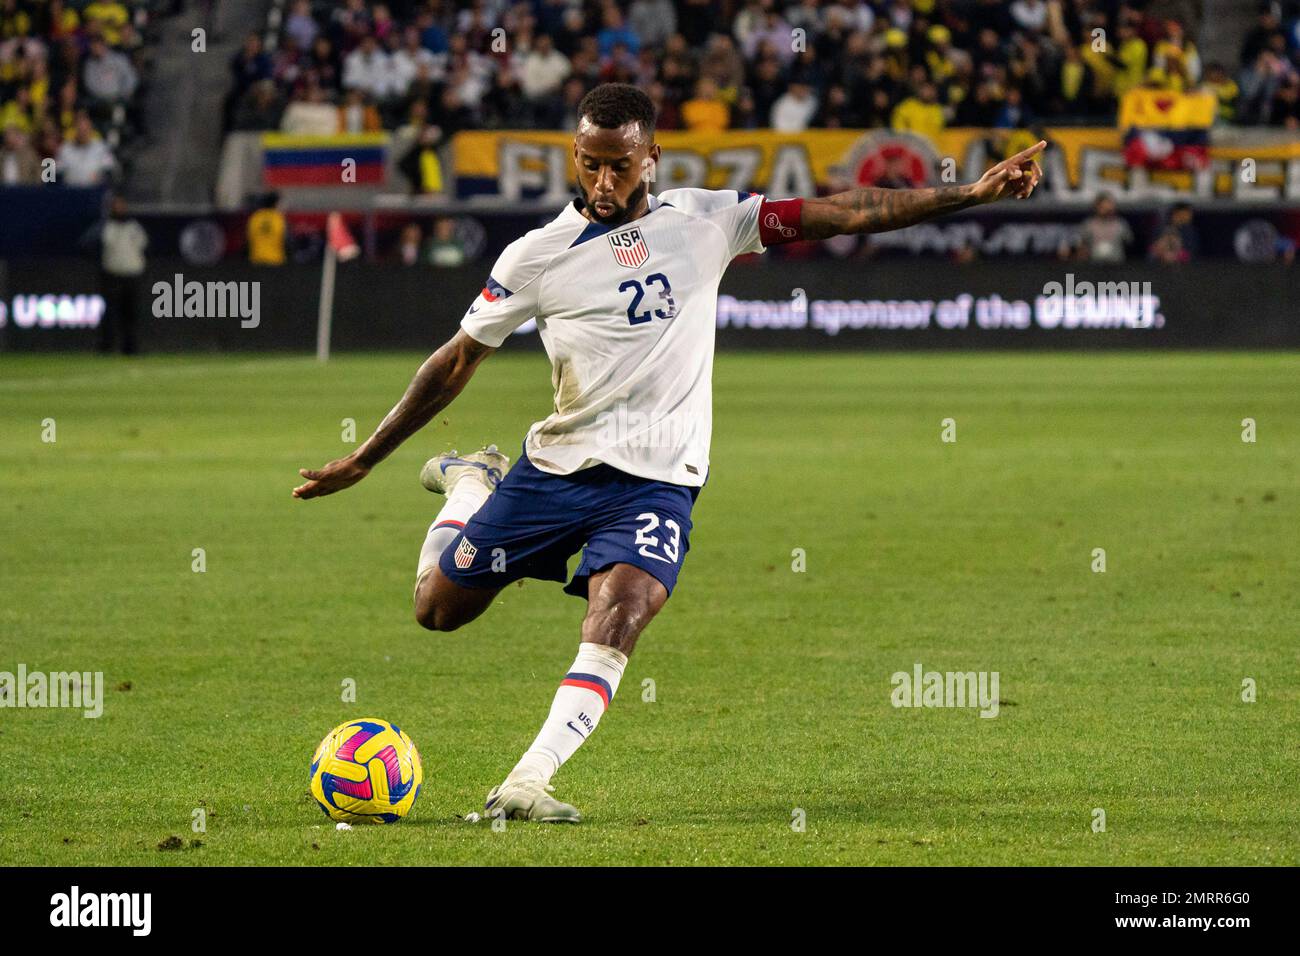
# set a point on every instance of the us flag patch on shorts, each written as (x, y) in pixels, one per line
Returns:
(629, 248)
(465, 554)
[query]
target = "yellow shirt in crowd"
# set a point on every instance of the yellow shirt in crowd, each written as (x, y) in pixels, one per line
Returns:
(266, 237)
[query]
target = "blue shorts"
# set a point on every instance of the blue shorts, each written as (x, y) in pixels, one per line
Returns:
(534, 522)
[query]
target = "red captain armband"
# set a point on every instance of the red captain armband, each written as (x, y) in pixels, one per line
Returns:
(780, 221)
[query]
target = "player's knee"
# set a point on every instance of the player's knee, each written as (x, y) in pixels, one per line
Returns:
(431, 615)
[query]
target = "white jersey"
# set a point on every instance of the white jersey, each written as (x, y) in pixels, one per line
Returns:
(627, 315)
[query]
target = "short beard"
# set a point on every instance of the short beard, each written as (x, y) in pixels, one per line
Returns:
(621, 213)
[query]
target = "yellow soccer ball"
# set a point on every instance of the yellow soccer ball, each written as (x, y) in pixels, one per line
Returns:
(366, 771)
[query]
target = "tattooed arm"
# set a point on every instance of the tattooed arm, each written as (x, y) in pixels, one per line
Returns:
(879, 210)
(439, 380)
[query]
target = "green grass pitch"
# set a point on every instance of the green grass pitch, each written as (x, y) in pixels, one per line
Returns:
(1120, 690)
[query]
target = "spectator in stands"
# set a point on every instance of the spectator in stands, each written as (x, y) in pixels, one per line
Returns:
(261, 108)
(566, 111)
(266, 231)
(652, 21)
(108, 75)
(369, 68)
(19, 163)
(1104, 235)
(1178, 58)
(409, 243)
(836, 112)
(705, 112)
(1260, 82)
(1030, 15)
(382, 25)
(57, 21)
(14, 20)
(759, 24)
(542, 73)
(301, 25)
(794, 110)
(1013, 114)
(408, 60)
(615, 31)
(1285, 108)
(287, 64)
(920, 113)
(445, 249)
(1260, 38)
(424, 89)
(469, 73)
(723, 64)
(1225, 90)
(18, 112)
(324, 64)
(357, 114)
(504, 106)
(349, 24)
(1131, 57)
(109, 17)
(48, 140)
(432, 36)
(421, 164)
(310, 113)
(84, 160)
(249, 66)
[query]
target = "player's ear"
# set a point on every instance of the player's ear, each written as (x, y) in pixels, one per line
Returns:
(650, 165)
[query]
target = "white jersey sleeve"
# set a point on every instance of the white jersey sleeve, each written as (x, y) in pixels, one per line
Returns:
(509, 297)
(735, 213)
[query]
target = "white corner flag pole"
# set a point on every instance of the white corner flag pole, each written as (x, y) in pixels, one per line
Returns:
(325, 316)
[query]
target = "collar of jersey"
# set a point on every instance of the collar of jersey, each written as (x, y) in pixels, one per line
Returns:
(594, 229)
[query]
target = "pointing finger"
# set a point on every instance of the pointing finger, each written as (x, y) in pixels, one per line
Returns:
(1030, 153)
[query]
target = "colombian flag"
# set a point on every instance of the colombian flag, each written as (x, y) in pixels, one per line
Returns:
(323, 160)
(1166, 130)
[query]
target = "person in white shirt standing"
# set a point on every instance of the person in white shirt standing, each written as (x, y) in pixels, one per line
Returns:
(122, 244)
(623, 288)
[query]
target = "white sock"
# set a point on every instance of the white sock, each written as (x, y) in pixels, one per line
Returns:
(466, 497)
(579, 703)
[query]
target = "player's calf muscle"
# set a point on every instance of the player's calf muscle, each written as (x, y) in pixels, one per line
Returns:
(623, 601)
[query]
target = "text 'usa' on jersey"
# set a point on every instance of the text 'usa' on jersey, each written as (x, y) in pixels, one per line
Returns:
(627, 316)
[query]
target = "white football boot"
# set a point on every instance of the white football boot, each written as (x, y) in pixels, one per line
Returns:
(529, 799)
(442, 472)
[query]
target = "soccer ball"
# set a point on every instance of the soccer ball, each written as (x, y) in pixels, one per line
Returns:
(366, 771)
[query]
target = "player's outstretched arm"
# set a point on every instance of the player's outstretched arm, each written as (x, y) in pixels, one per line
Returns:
(439, 380)
(879, 210)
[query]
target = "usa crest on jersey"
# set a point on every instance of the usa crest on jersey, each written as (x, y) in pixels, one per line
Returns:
(629, 248)
(465, 554)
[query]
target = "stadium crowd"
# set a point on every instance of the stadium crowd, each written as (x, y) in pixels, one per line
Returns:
(68, 77)
(710, 65)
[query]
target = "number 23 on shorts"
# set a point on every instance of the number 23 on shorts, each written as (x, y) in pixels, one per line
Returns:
(647, 542)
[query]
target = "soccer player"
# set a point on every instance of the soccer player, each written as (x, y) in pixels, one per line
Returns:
(623, 287)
